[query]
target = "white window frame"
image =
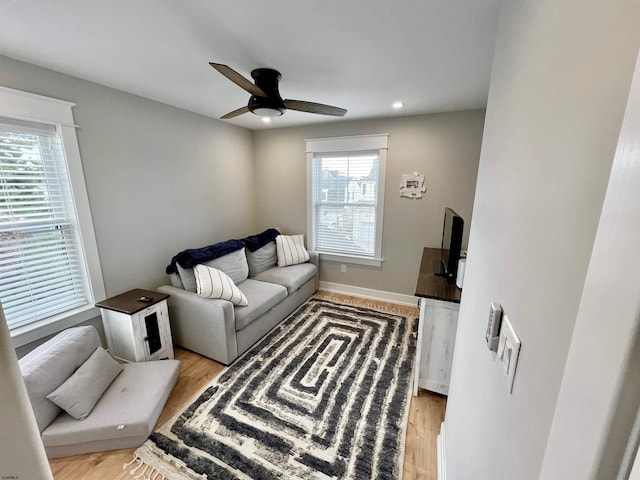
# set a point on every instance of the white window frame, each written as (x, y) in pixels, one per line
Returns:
(351, 144)
(29, 107)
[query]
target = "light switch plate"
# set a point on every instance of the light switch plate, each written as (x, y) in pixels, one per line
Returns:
(508, 351)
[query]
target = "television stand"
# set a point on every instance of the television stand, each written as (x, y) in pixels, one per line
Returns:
(439, 307)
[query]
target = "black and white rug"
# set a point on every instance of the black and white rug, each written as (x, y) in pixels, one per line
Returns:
(324, 395)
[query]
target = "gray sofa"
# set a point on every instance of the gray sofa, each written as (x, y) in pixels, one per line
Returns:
(221, 330)
(125, 413)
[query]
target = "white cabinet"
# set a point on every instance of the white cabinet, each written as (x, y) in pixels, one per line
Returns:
(137, 331)
(436, 341)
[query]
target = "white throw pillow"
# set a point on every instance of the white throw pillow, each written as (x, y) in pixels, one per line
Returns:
(214, 283)
(82, 390)
(291, 250)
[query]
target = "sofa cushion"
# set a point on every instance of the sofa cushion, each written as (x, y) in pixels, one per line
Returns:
(291, 277)
(254, 242)
(291, 250)
(262, 259)
(175, 280)
(214, 283)
(49, 365)
(81, 391)
(233, 264)
(128, 408)
(187, 278)
(262, 297)
(195, 256)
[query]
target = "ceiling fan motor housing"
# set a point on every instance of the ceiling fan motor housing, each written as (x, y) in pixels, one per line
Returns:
(267, 80)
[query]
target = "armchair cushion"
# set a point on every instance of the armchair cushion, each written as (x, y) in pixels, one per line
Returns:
(49, 365)
(123, 417)
(81, 391)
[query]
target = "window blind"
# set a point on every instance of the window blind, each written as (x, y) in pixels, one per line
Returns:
(345, 197)
(41, 267)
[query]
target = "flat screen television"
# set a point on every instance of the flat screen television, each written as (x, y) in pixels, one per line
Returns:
(451, 244)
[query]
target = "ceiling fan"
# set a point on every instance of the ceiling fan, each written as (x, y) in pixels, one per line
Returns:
(265, 99)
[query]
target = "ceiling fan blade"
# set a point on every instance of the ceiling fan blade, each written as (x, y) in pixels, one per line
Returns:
(238, 79)
(312, 107)
(235, 113)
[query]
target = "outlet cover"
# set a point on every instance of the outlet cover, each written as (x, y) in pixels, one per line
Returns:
(508, 351)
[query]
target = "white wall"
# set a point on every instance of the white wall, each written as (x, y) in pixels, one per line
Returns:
(445, 147)
(558, 90)
(600, 391)
(22, 454)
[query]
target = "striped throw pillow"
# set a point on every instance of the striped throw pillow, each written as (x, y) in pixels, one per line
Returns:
(214, 283)
(291, 250)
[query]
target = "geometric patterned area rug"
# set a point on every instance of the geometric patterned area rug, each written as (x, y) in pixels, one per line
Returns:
(324, 395)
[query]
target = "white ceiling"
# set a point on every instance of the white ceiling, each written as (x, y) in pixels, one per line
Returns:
(362, 55)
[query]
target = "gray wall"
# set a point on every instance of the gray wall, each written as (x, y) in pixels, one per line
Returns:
(445, 147)
(159, 179)
(558, 91)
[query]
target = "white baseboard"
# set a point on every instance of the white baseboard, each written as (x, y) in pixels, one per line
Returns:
(369, 293)
(442, 466)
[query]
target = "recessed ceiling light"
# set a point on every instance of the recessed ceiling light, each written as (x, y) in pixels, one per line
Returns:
(266, 119)
(398, 104)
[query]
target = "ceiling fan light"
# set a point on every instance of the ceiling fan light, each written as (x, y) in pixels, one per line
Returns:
(266, 112)
(397, 105)
(266, 119)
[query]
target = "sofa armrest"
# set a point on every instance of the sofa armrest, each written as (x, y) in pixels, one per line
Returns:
(203, 325)
(314, 257)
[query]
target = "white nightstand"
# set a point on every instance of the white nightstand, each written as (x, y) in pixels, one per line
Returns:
(136, 330)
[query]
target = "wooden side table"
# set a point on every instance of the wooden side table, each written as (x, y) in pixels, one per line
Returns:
(136, 330)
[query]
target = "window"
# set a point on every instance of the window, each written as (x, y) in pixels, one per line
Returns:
(346, 197)
(45, 278)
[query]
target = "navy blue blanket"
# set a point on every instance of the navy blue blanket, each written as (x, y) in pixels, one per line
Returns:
(194, 256)
(255, 242)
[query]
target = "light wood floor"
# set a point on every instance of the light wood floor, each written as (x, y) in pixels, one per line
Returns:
(420, 459)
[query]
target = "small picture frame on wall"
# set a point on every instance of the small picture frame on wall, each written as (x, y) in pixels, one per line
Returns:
(412, 186)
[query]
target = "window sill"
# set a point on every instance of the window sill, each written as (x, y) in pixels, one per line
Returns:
(52, 325)
(336, 257)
